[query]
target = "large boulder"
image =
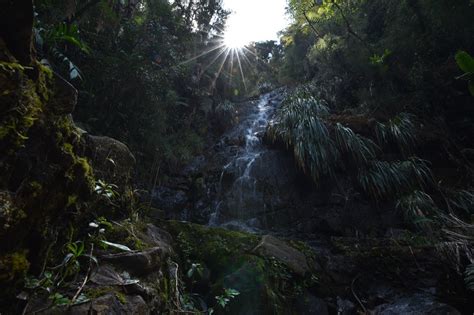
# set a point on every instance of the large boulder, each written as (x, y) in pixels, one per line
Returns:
(296, 261)
(137, 262)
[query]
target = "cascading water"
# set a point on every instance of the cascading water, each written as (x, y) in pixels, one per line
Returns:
(241, 201)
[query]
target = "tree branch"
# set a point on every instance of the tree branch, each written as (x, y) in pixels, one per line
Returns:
(81, 11)
(311, 25)
(350, 30)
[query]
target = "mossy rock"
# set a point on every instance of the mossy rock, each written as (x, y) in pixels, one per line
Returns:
(267, 284)
(46, 182)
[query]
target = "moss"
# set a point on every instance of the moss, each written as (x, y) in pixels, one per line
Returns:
(121, 297)
(94, 293)
(71, 200)
(11, 214)
(217, 247)
(23, 99)
(50, 145)
(264, 282)
(36, 188)
(128, 233)
(13, 265)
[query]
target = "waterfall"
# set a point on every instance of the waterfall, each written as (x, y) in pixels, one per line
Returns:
(241, 199)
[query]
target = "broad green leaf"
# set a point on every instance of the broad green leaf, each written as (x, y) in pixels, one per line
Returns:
(465, 61)
(471, 87)
(118, 246)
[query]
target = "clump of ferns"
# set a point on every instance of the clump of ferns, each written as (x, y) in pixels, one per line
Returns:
(400, 130)
(299, 125)
(384, 179)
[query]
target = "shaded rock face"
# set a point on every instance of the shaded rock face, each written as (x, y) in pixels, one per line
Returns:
(308, 304)
(108, 304)
(111, 159)
(248, 184)
(41, 150)
(65, 99)
(416, 304)
(270, 246)
(137, 262)
(46, 179)
(170, 200)
(135, 282)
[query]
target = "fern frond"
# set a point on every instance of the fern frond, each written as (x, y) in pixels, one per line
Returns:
(418, 206)
(462, 200)
(360, 149)
(469, 277)
(383, 179)
(400, 130)
(298, 125)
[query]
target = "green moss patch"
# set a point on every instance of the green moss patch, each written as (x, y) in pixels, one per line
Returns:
(264, 282)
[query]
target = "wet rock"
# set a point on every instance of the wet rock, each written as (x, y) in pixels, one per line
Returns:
(308, 304)
(273, 247)
(158, 238)
(196, 167)
(109, 304)
(414, 305)
(345, 307)
(111, 159)
(137, 262)
(107, 276)
(169, 200)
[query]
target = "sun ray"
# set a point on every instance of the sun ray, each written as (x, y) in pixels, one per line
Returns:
(203, 54)
(223, 50)
(232, 51)
(263, 62)
(227, 51)
(241, 71)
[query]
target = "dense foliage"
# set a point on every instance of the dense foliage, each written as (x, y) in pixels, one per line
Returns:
(129, 61)
(383, 99)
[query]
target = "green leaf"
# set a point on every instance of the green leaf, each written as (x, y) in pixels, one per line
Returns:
(465, 61)
(471, 87)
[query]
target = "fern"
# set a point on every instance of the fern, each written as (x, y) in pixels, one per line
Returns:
(298, 124)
